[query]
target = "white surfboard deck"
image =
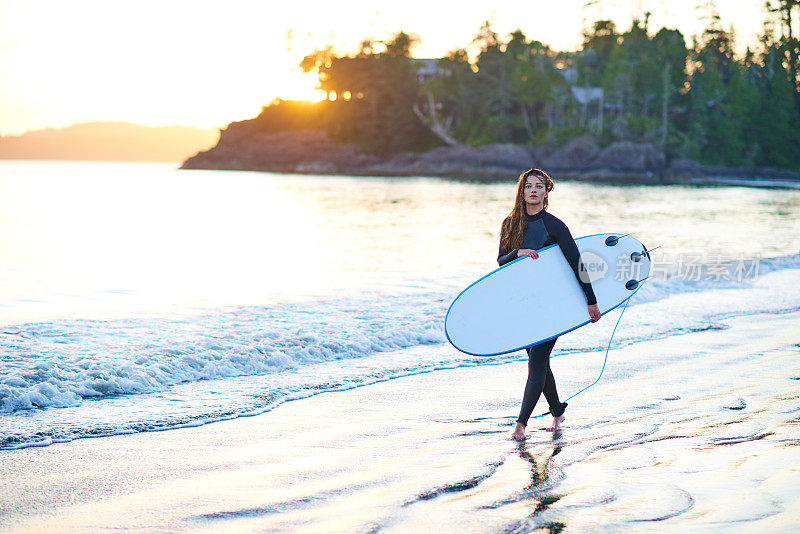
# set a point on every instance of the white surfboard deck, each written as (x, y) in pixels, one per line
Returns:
(529, 301)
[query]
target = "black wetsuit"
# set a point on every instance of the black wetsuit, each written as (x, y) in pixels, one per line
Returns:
(544, 229)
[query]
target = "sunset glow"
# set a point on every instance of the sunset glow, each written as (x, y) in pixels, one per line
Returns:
(201, 64)
(299, 85)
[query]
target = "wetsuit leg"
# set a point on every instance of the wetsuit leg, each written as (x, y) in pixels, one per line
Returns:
(540, 379)
(551, 394)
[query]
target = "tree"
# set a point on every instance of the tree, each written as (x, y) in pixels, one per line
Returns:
(371, 96)
(447, 97)
(534, 81)
(598, 46)
(704, 103)
(790, 45)
(493, 80)
(776, 118)
(671, 56)
(713, 134)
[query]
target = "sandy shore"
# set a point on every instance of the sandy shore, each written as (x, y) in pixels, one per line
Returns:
(697, 431)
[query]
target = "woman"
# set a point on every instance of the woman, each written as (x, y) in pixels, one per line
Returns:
(527, 228)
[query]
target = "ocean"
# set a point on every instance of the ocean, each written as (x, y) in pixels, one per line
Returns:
(137, 297)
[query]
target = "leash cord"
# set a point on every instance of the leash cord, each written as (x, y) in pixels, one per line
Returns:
(608, 348)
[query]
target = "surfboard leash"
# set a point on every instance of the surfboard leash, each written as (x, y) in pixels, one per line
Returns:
(608, 348)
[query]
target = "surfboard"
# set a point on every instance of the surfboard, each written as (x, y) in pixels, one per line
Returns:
(529, 301)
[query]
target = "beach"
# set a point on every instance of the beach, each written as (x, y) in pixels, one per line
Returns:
(678, 435)
(185, 350)
(292, 280)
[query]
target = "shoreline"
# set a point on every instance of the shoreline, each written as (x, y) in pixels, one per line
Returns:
(599, 177)
(749, 178)
(242, 146)
(674, 431)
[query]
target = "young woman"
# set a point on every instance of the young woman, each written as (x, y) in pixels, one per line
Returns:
(527, 228)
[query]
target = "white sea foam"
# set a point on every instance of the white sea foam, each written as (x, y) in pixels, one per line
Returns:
(57, 364)
(165, 373)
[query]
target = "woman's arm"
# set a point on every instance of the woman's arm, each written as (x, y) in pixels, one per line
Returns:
(566, 243)
(519, 253)
(502, 258)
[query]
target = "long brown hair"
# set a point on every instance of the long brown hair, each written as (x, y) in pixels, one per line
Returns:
(513, 228)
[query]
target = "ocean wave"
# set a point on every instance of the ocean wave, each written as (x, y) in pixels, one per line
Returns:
(58, 364)
(61, 364)
(678, 274)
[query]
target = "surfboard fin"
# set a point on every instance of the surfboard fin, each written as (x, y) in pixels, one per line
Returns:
(630, 285)
(637, 256)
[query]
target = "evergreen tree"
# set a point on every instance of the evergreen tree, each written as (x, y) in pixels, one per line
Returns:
(371, 96)
(598, 46)
(789, 11)
(713, 135)
(496, 123)
(534, 82)
(670, 57)
(776, 123)
(703, 103)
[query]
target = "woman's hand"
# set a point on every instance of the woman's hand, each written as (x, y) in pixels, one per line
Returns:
(527, 252)
(594, 313)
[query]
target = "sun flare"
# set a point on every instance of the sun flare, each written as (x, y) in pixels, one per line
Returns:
(299, 85)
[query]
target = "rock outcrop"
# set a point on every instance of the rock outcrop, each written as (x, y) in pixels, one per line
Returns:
(244, 146)
(630, 157)
(487, 161)
(574, 155)
(302, 151)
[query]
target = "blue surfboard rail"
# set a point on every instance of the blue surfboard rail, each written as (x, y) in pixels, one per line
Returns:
(543, 339)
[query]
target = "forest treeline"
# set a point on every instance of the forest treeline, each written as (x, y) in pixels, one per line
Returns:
(702, 102)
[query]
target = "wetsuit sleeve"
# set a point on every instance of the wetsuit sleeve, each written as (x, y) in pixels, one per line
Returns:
(502, 258)
(566, 243)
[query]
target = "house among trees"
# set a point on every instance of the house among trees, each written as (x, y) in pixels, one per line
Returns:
(702, 103)
(427, 68)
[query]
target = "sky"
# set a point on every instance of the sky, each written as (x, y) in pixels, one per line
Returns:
(207, 63)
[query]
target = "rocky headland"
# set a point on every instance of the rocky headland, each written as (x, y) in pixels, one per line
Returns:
(243, 147)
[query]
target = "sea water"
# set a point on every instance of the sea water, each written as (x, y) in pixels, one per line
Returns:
(138, 297)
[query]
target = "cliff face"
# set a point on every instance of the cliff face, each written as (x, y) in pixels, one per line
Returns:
(243, 147)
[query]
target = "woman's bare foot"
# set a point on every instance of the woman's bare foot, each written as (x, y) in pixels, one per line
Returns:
(556, 421)
(519, 432)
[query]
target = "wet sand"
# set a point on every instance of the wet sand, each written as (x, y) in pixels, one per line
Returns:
(695, 432)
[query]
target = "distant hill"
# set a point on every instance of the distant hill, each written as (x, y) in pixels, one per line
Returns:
(109, 141)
